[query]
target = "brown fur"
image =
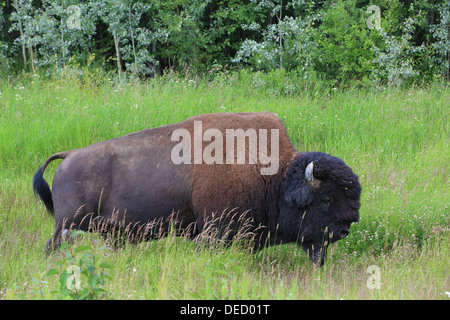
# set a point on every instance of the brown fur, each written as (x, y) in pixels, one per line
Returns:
(134, 178)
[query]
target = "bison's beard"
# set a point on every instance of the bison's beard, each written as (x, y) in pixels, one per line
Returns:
(316, 253)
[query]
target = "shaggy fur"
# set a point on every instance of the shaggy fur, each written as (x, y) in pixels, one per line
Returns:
(132, 179)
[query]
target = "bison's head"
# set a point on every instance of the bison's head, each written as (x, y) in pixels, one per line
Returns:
(322, 194)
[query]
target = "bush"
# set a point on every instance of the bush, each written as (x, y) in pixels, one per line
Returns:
(345, 43)
(81, 274)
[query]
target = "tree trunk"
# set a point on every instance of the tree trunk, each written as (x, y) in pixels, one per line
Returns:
(32, 59)
(132, 34)
(62, 43)
(24, 52)
(116, 44)
(281, 35)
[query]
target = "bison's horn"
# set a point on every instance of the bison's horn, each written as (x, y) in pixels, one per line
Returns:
(309, 172)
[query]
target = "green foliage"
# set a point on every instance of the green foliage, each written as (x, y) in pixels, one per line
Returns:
(345, 43)
(396, 62)
(230, 25)
(80, 273)
(440, 31)
(186, 44)
(329, 40)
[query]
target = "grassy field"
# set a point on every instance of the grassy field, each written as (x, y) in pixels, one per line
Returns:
(397, 141)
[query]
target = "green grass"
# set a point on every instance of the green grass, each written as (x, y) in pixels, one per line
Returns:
(397, 141)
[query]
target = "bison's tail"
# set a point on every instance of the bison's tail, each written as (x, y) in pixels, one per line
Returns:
(40, 186)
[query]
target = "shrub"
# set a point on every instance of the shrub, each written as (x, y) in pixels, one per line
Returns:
(345, 43)
(81, 274)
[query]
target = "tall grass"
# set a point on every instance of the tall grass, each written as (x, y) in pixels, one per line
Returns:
(396, 141)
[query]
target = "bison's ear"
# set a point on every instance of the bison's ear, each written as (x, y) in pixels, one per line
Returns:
(297, 189)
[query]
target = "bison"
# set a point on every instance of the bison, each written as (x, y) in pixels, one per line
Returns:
(200, 169)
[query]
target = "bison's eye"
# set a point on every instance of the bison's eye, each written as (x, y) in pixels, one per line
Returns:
(326, 200)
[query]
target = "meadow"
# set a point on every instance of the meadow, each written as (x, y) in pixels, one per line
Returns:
(396, 140)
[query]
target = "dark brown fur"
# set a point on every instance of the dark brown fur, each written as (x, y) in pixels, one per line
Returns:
(134, 179)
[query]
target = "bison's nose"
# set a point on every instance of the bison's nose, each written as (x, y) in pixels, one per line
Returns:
(344, 233)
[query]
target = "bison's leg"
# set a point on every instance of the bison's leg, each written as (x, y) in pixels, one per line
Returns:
(53, 244)
(55, 241)
(63, 227)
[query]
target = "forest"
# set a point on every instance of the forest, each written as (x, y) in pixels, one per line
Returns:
(367, 42)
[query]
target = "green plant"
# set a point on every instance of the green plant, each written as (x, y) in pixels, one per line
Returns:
(344, 43)
(81, 274)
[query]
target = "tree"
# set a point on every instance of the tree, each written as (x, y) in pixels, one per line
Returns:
(46, 29)
(20, 19)
(325, 39)
(183, 42)
(441, 47)
(289, 43)
(345, 43)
